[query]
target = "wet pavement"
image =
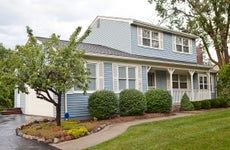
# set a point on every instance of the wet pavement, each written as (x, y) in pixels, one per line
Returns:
(8, 138)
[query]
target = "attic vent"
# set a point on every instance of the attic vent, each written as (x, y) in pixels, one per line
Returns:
(98, 23)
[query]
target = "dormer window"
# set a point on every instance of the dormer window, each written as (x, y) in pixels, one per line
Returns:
(149, 38)
(182, 45)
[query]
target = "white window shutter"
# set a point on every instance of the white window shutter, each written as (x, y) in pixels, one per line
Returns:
(115, 77)
(190, 46)
(101, 75)
(139, 78)
(139, 36)
(161, 40)
(173, 43)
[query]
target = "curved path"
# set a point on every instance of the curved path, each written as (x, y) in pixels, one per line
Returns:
(8, 138)
(107, 133)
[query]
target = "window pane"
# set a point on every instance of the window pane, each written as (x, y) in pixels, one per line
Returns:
(155, 44)
(183, 85)
(92, 68)
(185, 42)
(151, 79)
(179, 48)
(131, 72)
(146, 34)
(186, 49)
(183, 78)
(179, 41)
(175, 85)
(131, 84)
(205, 80)
(175, 77)
(122, 84)
(92, 84)
(201, 86)
(206, 86)
(122, 72)
(146, 42)
(201, 80)
(155, 36)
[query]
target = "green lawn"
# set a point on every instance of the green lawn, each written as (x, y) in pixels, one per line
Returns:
(210, 131)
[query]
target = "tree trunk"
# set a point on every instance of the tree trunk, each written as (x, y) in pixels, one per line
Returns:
(58, 110)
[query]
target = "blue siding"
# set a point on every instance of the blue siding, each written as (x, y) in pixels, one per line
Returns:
(144, 79)
(161, 79)
(108, 76)
(22, 102)
(166, 52)
(115, 34)
(77, 106)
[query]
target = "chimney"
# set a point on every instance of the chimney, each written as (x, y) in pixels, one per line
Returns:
(199, 55)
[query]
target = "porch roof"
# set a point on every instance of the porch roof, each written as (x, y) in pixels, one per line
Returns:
(107, 52)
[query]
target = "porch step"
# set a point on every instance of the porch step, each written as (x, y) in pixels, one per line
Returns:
(11, 111)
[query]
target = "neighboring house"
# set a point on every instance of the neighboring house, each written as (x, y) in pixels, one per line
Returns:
(127, 53)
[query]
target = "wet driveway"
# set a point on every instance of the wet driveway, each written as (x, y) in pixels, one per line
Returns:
(8, 138)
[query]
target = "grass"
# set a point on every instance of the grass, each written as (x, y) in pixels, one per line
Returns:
(209, 130)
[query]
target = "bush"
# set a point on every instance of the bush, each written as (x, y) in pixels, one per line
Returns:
(205, 104)
(77, 132)
(215, 103)
(132, 102)
(158, 101)
(223, 102)
(185, 104)
(197, 105)
(103, 104)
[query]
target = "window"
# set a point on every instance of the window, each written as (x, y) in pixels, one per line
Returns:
(92, 78)
(182, 45)
(203, 82)
(179, 81)
(149, 38)
(127, 77)
(151, 79)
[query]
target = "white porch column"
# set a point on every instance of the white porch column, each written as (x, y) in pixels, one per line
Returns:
(209, 86)
(171, 70)
(191, 72)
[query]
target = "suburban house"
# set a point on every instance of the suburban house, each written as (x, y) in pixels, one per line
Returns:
(126, 53)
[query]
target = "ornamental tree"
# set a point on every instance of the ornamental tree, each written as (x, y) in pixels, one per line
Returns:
(208, 19)
(50, 68)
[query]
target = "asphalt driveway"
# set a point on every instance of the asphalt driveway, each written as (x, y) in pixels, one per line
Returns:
(8, 138)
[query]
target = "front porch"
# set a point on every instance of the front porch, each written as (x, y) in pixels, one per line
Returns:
(196, 83)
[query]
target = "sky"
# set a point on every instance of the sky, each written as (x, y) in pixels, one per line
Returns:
(63, 16)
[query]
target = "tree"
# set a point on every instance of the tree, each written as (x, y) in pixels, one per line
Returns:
(208, 19)
(50, 68)
(224, 81)
(6, 89)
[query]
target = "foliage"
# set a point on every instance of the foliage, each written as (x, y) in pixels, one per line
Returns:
(215, 103)
(186, 104)
(205, 104)
(77, 132)
(208, 130)
(158, 100)
(224, 82)
(102, 104)
(197, 105)
(209, 19)
(6, 88)
(50, 68)
(132, 102)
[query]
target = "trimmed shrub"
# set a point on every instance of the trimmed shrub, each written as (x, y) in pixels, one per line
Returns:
(102, 104)
(223, 102)
(158, 101)
(197, 105)
(215, 103)
(205, 104)
(132, 102)
(185, 104)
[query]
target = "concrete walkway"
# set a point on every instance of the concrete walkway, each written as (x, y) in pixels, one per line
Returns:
(107, 133)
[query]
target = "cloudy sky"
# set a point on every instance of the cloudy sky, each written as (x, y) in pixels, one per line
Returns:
(63, 16)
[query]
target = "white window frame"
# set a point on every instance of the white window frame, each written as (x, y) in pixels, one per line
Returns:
(127, 76)
(189, 46)
(151, 32)
(73, 90)
(179, 81)
(203, 83)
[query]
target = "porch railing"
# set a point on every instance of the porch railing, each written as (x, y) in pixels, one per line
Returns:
(197, 95)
